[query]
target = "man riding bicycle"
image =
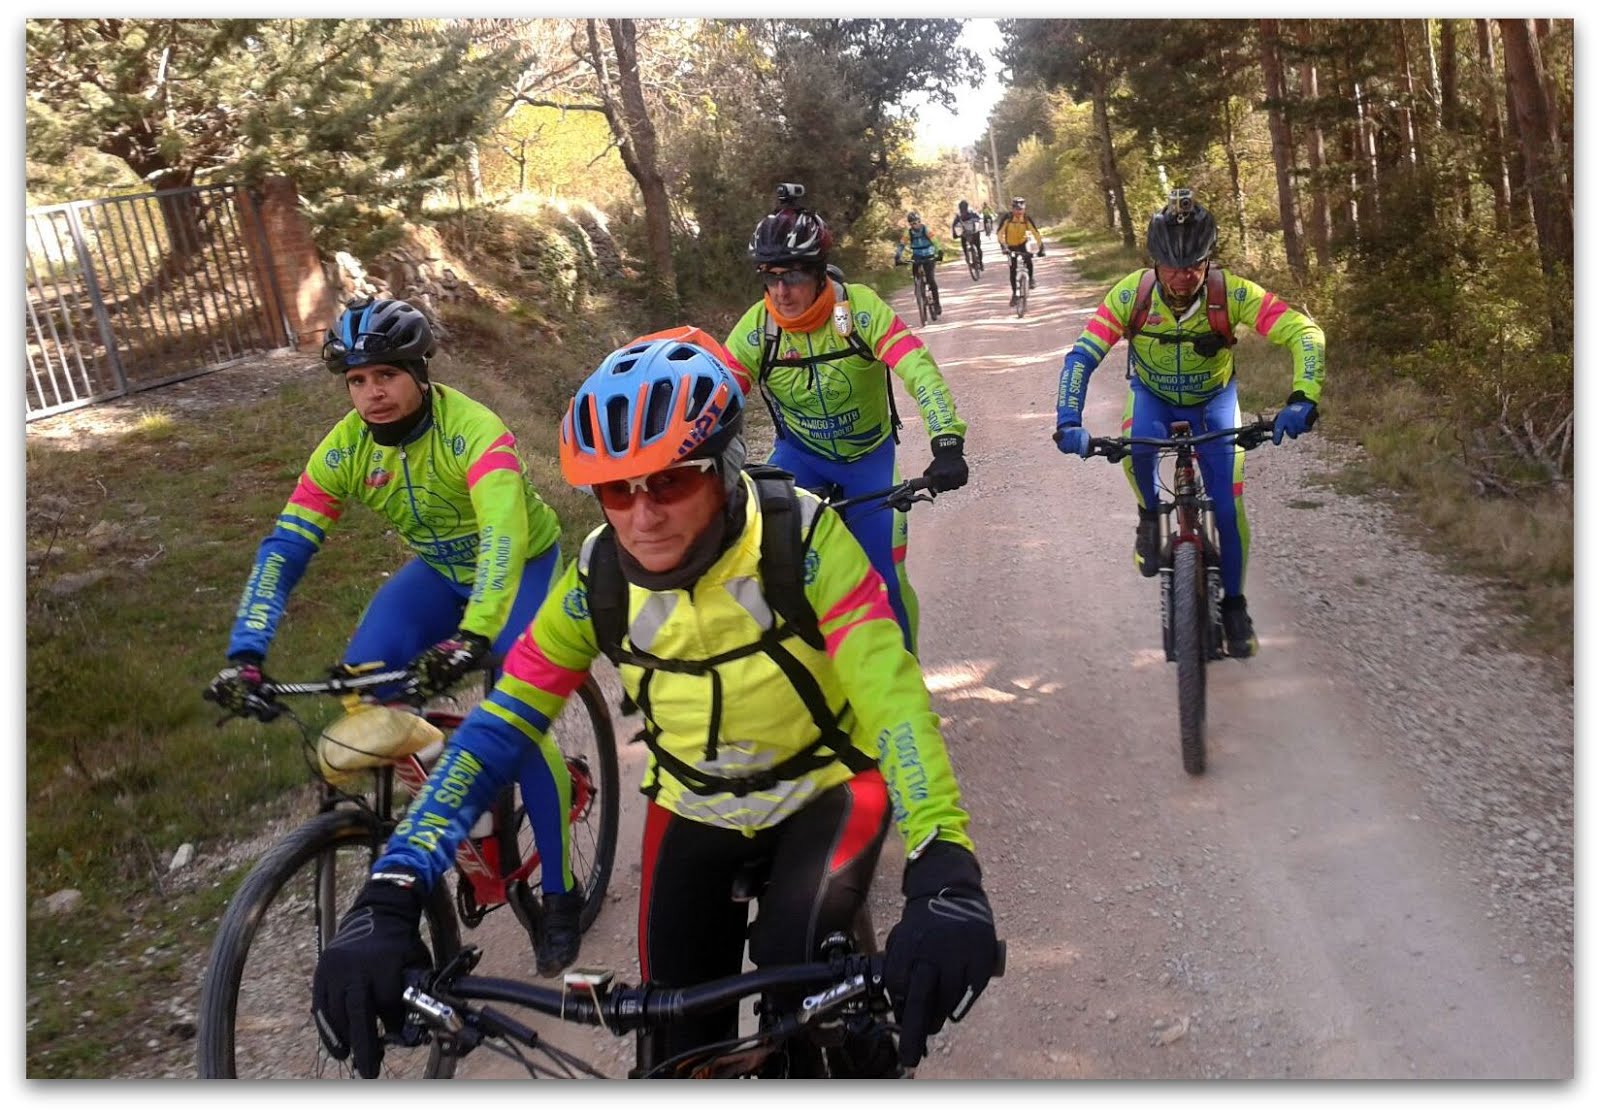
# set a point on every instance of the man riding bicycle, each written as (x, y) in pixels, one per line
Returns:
(445, 471)
(1180, 361)
(925, 253)
(988, 218)
(820, 350)
(1013, 236)
(964, 226)
(773, 743)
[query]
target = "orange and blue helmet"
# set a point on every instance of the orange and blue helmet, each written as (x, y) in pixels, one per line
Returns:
(660, 399)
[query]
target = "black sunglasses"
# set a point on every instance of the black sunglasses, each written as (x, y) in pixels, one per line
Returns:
(793, 279)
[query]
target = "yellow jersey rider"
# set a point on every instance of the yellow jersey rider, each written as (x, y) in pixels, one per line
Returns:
(1013, 235)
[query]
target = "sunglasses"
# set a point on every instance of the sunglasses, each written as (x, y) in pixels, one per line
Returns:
(792, 279)
(665, 487)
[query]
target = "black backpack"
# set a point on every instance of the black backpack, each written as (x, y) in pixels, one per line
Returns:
(782, 571)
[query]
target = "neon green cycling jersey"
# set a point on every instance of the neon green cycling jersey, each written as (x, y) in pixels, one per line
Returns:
(864, 671)
(455, 493)
(1179, 374)
(838, 407)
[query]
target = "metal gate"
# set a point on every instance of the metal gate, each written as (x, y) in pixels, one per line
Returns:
(128, 293)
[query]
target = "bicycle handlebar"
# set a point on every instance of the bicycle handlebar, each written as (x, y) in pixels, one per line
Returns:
(1247, 437)
(448, 1001)
(899, 497)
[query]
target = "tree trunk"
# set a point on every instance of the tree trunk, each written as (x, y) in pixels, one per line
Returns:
(1320, 223)
(1282, 146)
(1547, 183)
(1230, 146)
(1370, 204)
(1516, 162)
(474, 174)
(1449, 96)
(1108, 163)
(1493, 163)
(637, 144)
(1408, 96)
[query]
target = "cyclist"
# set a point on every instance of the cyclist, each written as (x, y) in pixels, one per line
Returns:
(445, 471)
(988, 218)
(820, 349)
(1181, 369)
(925, 253)
(964, 227)
(765, 745)
(1013, 236)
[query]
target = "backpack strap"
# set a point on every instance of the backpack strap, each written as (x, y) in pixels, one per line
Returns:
(607, 592)
(1217, 306)
(1141, 305)
(783, 552)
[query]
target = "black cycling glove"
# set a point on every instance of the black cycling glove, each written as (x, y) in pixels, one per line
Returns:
(943, 952)
(948, 469)
(364, 971)
(438, 668)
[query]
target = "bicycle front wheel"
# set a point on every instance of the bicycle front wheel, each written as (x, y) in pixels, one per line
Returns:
(1189, 617)
(922, 303)
(255, 1003)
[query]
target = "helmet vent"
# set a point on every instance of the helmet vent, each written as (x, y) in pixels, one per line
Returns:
(700, 396)
(658, 410)
(680, 353)
(623, 366)
(616, 424)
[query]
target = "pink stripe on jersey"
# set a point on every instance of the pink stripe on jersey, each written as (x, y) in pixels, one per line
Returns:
(528, 664)
(869, 593)
(1101, 333)
(896, 327)
(313, 498)
(499, 456)
(901, 348)
(1271, 309)
(1108, 318)
(900, 554)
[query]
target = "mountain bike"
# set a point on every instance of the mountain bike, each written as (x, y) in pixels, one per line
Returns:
(255, 1001)
(972, 251)
(1019, 288)
(1190, 570)
(988, 226)
(847, 1000)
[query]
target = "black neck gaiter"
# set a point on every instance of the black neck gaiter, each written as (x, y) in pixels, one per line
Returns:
(406, 429)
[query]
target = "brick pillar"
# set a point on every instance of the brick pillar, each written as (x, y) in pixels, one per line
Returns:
(309, 302)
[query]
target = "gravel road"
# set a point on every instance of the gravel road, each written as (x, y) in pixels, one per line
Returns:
(1373, 879)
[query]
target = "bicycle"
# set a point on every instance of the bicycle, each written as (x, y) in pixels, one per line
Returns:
(849, 999)
(256, 1022)
(1019, 290)
(919, 285)
(972, 251)
(1190, 571)
(988, 226)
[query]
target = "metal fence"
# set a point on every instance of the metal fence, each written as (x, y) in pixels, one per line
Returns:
(127, 293)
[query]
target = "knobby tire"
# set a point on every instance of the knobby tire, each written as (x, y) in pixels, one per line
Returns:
(293, 936)
(1190, 617)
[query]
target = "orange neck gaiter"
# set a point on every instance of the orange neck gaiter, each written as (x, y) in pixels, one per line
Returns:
(811, 319)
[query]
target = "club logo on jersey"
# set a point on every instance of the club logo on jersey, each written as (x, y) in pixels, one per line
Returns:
(1126, 296)
(753, 338)
(813, 565)
(863, 319)
(458, 444)
(576, 604)
(377, 477)
(334, 456)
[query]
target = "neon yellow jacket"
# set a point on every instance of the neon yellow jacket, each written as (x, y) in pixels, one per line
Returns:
(455, 493)
(864, 671)
(839, 409)
(1176, 372)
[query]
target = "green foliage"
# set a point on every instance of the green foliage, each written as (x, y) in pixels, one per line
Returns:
(367, 116)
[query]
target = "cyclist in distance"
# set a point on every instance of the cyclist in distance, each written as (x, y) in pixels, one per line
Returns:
(445, 471)
(925, 254)
(784, 731)
(965, 226)
(988, 218)
(820, 350)
(1013, 235)
(1181, 368)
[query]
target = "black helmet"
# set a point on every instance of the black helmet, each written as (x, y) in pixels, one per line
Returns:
(1183, 234)
(962, 206)
(382, 330)
(790, 236)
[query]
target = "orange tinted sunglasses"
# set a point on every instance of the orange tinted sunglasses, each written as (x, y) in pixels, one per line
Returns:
(665, 487)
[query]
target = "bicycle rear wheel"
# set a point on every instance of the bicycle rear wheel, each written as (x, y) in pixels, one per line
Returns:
(1022, 292)
(922, 301)
(586, 739)
(255, 1002)
(1189, 618)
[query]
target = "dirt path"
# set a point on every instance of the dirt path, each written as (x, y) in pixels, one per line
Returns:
(1372, 880)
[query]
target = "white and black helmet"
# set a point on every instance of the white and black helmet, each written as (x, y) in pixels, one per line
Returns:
(790, 236)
